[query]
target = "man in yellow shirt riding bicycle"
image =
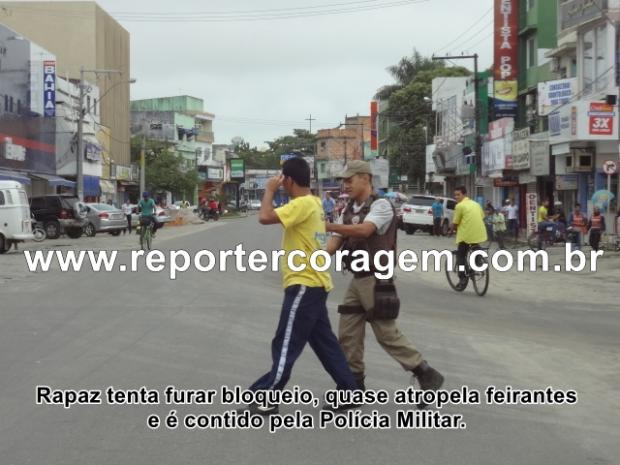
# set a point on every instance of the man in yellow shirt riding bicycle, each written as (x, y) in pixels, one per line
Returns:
(468, 221)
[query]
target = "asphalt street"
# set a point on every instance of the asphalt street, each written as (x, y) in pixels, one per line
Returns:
(93, 330)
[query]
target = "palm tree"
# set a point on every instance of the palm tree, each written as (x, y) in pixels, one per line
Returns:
(405, 71)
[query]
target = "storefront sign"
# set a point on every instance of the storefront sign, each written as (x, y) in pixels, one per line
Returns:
(497, 151)
(601, 119)
(215, 174)
(506, 181)
(374, 145)
(521, 149)
(552, 94)
(49, 89)
(525, 178)
(11, 151)
(123, 173)
(563, 125)
(506, 57)
(237, 168)
(576, 12)
(539, 154)
(531, 205)
(569, 182)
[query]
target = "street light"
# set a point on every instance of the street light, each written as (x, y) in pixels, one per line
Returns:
(81, 113)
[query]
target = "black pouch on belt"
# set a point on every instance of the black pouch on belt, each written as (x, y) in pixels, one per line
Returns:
(387, 303)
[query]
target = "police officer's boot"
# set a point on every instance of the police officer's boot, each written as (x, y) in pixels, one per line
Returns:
(359, 379)
(428, 378)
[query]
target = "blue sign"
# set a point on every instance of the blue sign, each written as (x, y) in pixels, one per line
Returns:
(49, 89)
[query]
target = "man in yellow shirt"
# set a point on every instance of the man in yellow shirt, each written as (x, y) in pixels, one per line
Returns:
(303, 317)
(544, 221)
(468, 221)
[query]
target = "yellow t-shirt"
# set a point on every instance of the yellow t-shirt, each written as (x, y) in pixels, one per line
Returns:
(469, 218)
(542, 214)
(304, 229)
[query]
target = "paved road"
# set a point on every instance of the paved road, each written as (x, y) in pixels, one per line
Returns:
(86, 330)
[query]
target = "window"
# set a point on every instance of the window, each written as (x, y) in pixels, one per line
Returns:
(588, 61)
(595, 61)
(602, 73)
(1, 198)
(19, 106)
(95, 107)
(6, 103)
(530, 4)
(531, 52)
(11, 104)
(9, 197)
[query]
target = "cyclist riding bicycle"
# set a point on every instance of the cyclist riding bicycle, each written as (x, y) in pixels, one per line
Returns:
(468, 221)
(147, 209)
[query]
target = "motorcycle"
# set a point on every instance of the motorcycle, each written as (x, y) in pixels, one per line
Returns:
(211, 214)
(38, 231)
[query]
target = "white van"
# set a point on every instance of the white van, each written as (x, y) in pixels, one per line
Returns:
(15, 219)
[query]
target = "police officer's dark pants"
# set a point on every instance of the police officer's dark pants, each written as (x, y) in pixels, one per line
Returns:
(304, 319)
(352, 329)
(595, 238)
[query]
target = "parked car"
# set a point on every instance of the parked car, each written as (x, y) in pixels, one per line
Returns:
(101, 217)
(15, 219)
(59, 214)
(418, 214)
(160, 214)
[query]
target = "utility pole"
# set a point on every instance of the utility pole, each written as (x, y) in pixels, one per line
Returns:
(80, 136)
(477, 143)
(142, 165)
(310, 119)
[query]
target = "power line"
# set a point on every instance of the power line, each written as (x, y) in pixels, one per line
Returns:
(265, 17)
(466, 31)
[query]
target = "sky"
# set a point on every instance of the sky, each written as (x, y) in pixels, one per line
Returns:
(263, 78)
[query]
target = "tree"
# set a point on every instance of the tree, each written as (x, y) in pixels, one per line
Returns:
(410, 113)
(405, 71)
(301, 141)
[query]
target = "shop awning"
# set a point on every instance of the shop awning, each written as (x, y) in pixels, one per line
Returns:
(54, 180)
(14, 176)
(107, 187)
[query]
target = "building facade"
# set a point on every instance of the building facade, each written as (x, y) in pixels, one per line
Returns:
(81, 34)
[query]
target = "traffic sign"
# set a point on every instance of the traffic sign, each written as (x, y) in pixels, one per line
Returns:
(610, 167)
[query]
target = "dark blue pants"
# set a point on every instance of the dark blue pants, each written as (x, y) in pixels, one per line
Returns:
(304, 319)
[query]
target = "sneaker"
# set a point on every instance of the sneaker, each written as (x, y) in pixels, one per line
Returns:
(256, 409)
(428, 378)
(340, 408)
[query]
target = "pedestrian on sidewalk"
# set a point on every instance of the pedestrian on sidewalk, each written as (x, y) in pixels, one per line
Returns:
(512, 217)
(437, 208)
(597, 227)
(499, 227)
(127, 210)
(303, 318)
(369, 223)
(329, 205)
(578, 223)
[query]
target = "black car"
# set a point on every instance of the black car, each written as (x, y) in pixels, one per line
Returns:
(58, 214)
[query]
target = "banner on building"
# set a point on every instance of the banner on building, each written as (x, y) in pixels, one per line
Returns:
(601, 119)
(568, 182)
(531, 205)
(539, 157)
(49, 89)
(374, 141)
(576, 12)
(497, 150)
(506, 57)
(237, 169)
(521, 149)
(553, 94)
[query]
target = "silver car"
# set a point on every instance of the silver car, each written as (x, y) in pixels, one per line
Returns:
(101, 217)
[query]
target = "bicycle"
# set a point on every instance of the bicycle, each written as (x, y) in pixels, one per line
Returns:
(480, 279)
(146, 233)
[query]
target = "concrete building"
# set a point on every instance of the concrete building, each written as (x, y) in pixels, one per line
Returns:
(584, 130)
(81, 34)
(182, 122)
(28, 114)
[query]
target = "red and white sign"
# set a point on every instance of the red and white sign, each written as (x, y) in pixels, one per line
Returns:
(601, 119)
(610, 167)
(373, 126)
(506, 39)
(532, 213)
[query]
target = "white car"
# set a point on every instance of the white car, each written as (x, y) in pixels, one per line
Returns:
(254, 204)
(418, 213)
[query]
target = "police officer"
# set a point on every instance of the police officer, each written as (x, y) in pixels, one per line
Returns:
(369, 223)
